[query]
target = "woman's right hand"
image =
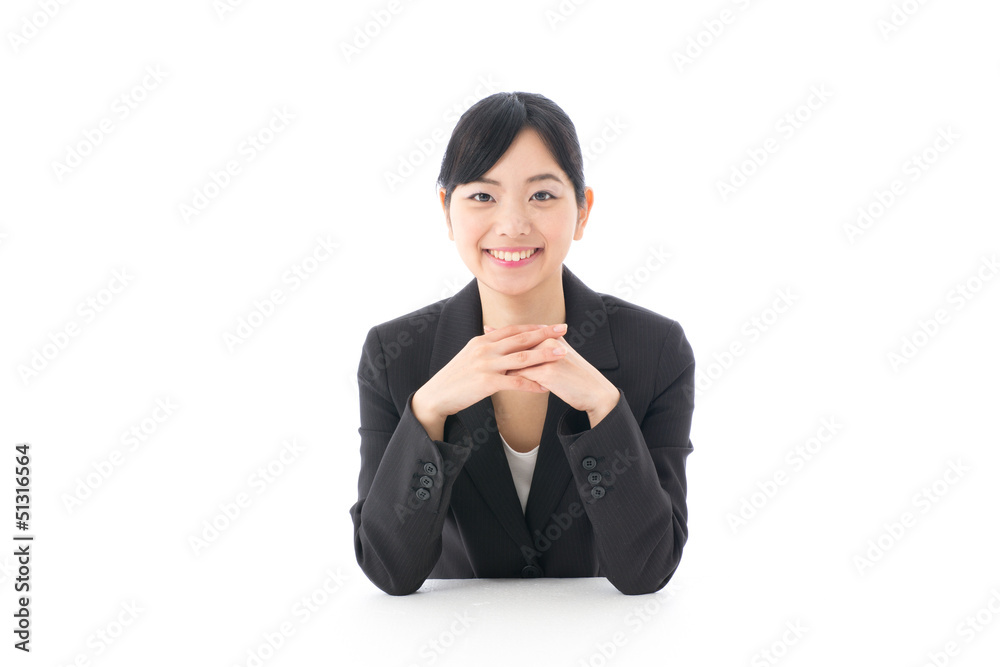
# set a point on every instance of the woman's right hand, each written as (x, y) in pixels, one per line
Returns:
(480, 369)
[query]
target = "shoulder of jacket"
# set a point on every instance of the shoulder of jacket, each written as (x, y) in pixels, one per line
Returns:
(413, 323)
(658, 329)
(626, 313)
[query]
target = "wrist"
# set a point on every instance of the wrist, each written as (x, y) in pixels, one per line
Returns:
(428, 418)
(423, 408)
(604, 407)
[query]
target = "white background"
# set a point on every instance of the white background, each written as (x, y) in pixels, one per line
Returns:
(662, 134)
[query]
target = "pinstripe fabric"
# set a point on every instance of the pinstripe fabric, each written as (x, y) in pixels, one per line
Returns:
(460, 516)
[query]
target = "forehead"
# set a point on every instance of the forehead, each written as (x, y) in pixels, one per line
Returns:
(526, 157)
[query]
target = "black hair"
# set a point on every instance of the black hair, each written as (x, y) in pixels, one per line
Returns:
(488, 128)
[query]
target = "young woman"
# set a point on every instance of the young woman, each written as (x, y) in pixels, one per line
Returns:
(527, 426)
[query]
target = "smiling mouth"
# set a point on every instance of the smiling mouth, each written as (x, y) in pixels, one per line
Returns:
(512, 256)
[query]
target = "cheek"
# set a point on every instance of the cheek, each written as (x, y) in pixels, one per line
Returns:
(558, 226)
(560, 216)
(466, 240)
(469, 228)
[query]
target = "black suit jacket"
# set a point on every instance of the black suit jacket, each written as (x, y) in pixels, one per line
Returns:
(605, 501)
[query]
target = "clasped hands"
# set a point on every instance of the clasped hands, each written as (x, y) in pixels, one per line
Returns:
(562, 370)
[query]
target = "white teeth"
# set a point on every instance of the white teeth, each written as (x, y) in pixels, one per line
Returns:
(509, 257)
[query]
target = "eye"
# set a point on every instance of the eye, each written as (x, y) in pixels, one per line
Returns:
(475, 197)
(548, 195)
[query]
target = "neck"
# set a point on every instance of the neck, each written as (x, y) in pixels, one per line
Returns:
(543, 304)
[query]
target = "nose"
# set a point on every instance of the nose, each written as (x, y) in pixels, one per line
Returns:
(512, 219)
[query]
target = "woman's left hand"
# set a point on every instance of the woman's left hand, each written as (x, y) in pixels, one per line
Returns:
(573, 379)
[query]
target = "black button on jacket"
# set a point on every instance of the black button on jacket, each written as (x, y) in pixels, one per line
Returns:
(448, 508)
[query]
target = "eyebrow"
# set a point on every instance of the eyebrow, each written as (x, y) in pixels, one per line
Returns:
(538, 177)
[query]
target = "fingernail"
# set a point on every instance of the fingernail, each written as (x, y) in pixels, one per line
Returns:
(488, 329)
(559, 328)
(559, 350)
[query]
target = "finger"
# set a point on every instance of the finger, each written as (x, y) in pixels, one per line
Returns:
(551, 346)
(522, 359)
(512, 329)
(522, 339)
(521, 383)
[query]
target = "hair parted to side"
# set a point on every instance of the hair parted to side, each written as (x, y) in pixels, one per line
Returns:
(488, 128)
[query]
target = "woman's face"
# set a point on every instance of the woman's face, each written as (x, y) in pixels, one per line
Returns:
(524, 202)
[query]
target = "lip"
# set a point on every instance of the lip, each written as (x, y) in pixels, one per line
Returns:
(520, 262)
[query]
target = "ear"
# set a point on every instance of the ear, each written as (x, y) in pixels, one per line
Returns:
(583, 213)
(447, 216)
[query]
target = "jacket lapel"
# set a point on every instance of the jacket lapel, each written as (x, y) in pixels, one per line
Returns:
(461, 319)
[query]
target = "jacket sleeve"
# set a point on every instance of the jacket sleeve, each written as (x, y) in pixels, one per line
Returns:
(637, 501)
(405, 482)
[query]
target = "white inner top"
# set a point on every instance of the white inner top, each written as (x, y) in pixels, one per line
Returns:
(522, 466)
